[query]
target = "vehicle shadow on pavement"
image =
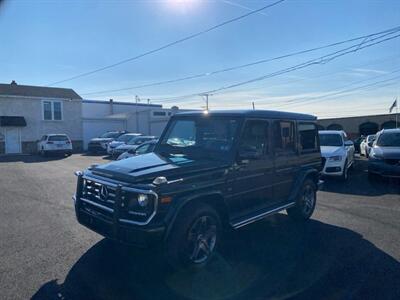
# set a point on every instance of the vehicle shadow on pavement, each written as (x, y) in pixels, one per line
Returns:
(275, 258)
(359, 184)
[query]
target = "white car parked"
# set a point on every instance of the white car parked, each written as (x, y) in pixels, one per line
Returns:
(121, 140)
(55, 144)
(337, 152)
(365, 146)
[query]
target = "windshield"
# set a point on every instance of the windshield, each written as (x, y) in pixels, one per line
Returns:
(203, 134)
(109, 135)
(330, 140)
(58, 138)
(124, 138)
(389, 139)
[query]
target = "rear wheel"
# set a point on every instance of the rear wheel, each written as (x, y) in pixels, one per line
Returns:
(305, 203)
(194, 236)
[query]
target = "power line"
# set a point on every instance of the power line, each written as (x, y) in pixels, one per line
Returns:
(228, 69)
(340, 93)
(318, 61)
(192, 36)
(316, 99)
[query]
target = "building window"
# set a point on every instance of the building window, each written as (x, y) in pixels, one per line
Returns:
(308, 136)
(159, 113)
(52, 110)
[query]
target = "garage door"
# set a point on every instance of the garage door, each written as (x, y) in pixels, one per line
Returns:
(95, 128)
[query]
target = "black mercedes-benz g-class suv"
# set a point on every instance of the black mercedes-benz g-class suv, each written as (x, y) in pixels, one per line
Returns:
(208, 171)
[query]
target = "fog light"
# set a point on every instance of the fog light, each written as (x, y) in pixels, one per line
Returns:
(143, 200)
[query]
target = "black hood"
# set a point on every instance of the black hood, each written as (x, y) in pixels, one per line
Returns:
(144, 168)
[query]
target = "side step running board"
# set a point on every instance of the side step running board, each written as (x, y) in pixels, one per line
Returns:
(261, 215)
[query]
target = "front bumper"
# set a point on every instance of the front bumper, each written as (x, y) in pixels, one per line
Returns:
(112, 222)
(96, 148)
(383, 169)
(126, 234)
(333, 168)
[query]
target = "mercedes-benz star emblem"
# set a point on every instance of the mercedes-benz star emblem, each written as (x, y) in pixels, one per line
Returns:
(103, 193)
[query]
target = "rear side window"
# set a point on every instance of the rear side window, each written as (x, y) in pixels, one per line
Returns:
(284, 136)
(58, 138)
(308, 134)
(255, 137)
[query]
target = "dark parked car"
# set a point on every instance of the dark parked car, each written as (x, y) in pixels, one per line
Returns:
(99, 144)
(208, 171)
(384, 157)
(357, 142)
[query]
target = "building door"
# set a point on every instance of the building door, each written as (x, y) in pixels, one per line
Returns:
(13, 140)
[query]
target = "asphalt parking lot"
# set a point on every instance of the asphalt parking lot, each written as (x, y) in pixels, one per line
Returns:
(349, 250)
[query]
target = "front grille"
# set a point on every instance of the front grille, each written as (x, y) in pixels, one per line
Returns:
(392, 162)
(99, 193)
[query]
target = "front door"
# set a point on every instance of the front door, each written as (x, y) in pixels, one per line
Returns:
(254, 168)
(13, 140)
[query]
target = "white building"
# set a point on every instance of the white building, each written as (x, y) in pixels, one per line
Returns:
(29, 112)
(101, 116)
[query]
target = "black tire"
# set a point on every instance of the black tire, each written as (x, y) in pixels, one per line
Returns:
(305, 206)
(345, 175)
(43, 153)
(184, 236)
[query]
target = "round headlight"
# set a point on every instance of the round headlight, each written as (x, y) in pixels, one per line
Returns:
(143, 200)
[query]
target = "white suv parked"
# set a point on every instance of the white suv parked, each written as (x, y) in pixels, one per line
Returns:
(55, 143)
(337, 153)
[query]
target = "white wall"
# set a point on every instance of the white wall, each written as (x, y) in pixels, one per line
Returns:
(31, 110)
(101, 109)
(94, 128)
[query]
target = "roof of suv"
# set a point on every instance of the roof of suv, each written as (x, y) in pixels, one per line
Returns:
(272, 114)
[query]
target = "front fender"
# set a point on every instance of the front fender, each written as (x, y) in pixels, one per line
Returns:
(180, 202)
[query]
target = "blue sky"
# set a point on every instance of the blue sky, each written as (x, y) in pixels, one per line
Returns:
(45, 41)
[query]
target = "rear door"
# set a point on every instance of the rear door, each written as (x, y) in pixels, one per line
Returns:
(286, 159)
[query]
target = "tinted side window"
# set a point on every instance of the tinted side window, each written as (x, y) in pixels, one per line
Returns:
(255, 137)
(284, 136)
(308, 136)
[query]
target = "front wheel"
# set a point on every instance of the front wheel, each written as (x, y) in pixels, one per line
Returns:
(305, 203)
(345, 174)
(194, 236)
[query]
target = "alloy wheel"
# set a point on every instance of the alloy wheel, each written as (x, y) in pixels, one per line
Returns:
(202, 238)
(308, 200)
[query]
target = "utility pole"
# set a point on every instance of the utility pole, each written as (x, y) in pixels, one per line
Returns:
(253, 105)
(206, 97)
(137, 100)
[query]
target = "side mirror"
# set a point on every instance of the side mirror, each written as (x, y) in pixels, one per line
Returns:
(348, 143)
(370, 144)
